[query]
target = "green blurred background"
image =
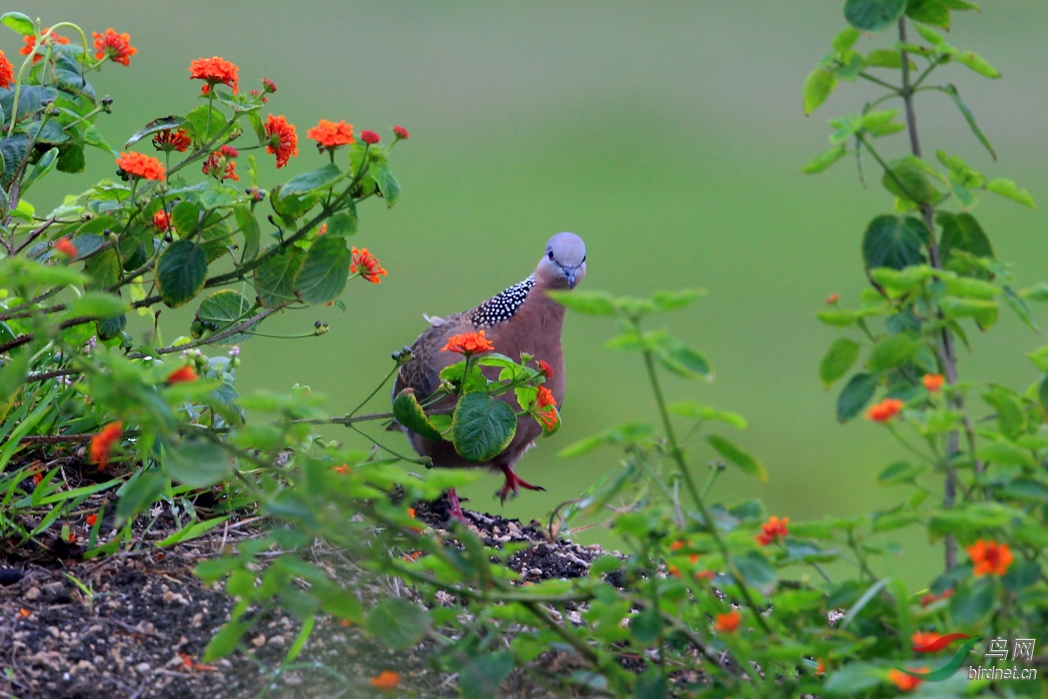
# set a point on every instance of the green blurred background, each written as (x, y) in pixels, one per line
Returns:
(668, 135)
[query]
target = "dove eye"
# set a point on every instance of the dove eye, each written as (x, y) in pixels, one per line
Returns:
(549, 254)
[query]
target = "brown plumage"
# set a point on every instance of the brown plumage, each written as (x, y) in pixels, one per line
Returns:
(521, 319)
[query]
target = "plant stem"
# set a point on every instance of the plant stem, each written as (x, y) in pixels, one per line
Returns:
(947, 355)
(678, 456)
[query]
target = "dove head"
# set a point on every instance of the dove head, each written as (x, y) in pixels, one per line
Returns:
(563, 265)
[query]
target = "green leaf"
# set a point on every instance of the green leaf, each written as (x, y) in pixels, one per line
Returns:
(192, 531)
(139, 493)
(962, 232)
(342, 224)
(275, 278)
(737, 456)
(155, 126)
(817, 88)
(1018, 305)
(483, 675)
(19, 22)
(891, 351)
(222, 309)
(970, 604)
(909, 180)
(324, 273)
(651, 685)
(899, 472)
(695, 411)
(225, 641)
(883, 58)
(838, 359)
(646, 626)
(845, 39)
(1011, 419)
(108, 328)
(855, 396)
(181, 272)
(684, 361)
(1004, 453)
(386, 183)
(482, 427)
(826, 159)
(969, 117)
(873, 15)
(1007, 188)
(409, 413)
(310, 182)
(853, 678)
(71, 159)
(755, 569)
(397, 623)
(187, 218)
(197, 462)
(977, 63)
(894, 241)
(248, 225)
(96, 304)
(198, 124)
(594, 303)
(933, 12)
(673, 300)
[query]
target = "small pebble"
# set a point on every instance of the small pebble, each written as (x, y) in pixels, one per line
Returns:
(258, 641)
(143, 668)
(32, 593)
(276, 641)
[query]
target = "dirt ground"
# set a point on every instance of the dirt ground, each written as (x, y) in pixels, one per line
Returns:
(134, 625)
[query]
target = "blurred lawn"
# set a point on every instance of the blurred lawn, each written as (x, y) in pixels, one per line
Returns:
(668, 136)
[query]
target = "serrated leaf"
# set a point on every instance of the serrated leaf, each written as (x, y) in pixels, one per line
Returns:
(899, 472)
(275, 278)
(386, 183)
(343, 223)
(311, 182)
(894, 241)
(482, 427)
(737, 456)
(248, 225)
(203, 128)
(222, 309)
(409, 413)
(838, 359)
(933, 12)
(962, 232)
(325, 271)
(187, 218)
(181, 272)
(483, 675)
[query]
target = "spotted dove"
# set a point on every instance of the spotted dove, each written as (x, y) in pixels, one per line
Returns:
(521, 319)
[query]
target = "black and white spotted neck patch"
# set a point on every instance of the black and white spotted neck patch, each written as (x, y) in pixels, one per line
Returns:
(503, 305)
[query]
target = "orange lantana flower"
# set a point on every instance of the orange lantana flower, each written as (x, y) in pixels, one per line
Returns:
(7, 72)
(172, 139)
(906, 683)
(117, 47)
(545, 369)
(386, 680)
(727, 622)
(102, 444)
(773, 530)
(220, 164)
(929, 598)
(330, 135)
(678, 545)
(30, 43)
(933, 382)
(181, 375)
(468, 343)
(400, 133)
(91, 519)
(885, 410)
(832, 299)
(282, 141)
(214, 70)
(139, 165)
(368, 265)
(990, 558)
(162, 221)
(548, 418)
(66, 247)
(705, 575)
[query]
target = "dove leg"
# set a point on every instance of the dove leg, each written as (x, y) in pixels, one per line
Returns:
(513, 483)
